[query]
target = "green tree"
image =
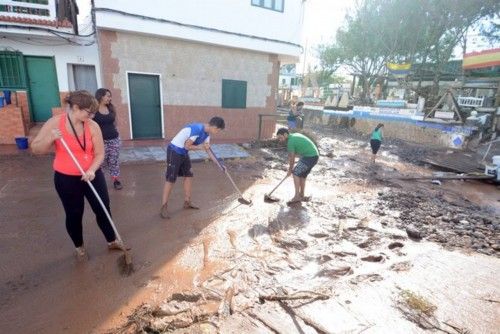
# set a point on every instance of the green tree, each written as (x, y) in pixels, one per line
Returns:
(379, 31)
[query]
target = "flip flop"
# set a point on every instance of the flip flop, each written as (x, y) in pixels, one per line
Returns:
(289, 203)
(306, 199)
(189, 205)
(116, 245)
(81, 254)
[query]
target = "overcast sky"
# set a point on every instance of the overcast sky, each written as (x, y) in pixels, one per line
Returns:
(321, 20)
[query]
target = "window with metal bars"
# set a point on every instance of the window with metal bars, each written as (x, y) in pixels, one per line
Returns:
(41, 2)
(12, 72)
(25, 10)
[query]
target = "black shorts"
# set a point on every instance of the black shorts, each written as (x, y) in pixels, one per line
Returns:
(375, 144)
(304, 166)
(177, 165)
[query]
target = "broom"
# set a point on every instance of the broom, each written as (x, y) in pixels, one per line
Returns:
(125, 261)
(241, 199)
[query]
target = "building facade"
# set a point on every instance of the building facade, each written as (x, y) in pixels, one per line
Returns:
(168, 62)
(41, 59)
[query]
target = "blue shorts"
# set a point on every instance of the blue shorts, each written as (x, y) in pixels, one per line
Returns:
(304, 166)
(292, 124)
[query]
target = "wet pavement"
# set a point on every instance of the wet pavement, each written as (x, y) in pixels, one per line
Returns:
(366, 254)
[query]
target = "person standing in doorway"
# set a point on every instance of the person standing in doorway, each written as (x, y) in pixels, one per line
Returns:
(376, 140)
(303, 146)
(106, 118)
(194, 136)
(84, 139)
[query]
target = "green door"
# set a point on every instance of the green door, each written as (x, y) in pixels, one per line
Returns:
(145, 105)
(43, 87)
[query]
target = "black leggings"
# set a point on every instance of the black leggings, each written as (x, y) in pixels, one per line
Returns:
(71, 190)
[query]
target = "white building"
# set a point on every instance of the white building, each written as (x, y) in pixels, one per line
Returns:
(42, 57)
(170, 62)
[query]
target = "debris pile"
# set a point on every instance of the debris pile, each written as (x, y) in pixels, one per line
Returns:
(460, 225)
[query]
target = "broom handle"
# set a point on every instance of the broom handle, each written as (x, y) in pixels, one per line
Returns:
(279, 184)
(225, 172)
(77, 164)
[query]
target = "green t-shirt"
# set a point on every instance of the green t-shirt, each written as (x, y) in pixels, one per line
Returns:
(377, 135)
(301, 145)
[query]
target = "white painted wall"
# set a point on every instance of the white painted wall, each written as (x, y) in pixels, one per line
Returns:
(64, 54)
(51, 7)
(237, 16)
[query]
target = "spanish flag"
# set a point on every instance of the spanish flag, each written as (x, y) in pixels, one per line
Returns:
(482, 59)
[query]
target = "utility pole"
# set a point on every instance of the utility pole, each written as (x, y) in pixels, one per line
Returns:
(304, 70)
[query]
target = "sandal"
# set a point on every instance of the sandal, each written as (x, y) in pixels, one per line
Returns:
(189, 205)
(81, 254)
(305, 199)
(293, 201)
(116, 245)
(164, 212)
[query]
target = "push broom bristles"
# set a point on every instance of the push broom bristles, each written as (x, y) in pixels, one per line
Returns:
(125, 264)
(244, 201)
(270, 199)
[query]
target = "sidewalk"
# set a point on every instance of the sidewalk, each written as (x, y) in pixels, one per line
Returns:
(148, 152)
(157, 153)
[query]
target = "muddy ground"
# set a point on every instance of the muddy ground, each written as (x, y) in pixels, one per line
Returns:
(369, 253)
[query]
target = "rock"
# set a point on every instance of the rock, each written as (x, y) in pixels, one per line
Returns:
(335, 272)
(185, 296)
(373, 258)
(413, 232)
(486, 251)
(324, 258)
(478, 235)
(395, 245)
(401, 266)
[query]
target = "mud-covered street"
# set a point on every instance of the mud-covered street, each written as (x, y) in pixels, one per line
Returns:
(368, 253)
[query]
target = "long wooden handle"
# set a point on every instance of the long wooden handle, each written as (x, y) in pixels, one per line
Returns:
(279, 184)
(77, 164)
(225, 172)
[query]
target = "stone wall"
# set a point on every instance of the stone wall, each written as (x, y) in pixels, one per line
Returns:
(432, 134)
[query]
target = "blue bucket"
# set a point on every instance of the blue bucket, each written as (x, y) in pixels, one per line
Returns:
(7, 96)
(22, 143)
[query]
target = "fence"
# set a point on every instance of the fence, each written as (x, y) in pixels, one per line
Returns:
(466, 101)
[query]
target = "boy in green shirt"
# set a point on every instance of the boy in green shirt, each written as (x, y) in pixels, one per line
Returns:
(298, 144)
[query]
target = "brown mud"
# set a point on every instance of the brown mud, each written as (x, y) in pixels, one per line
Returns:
(342, 262)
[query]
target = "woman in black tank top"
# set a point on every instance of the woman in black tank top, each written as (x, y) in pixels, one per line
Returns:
(106, 118)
